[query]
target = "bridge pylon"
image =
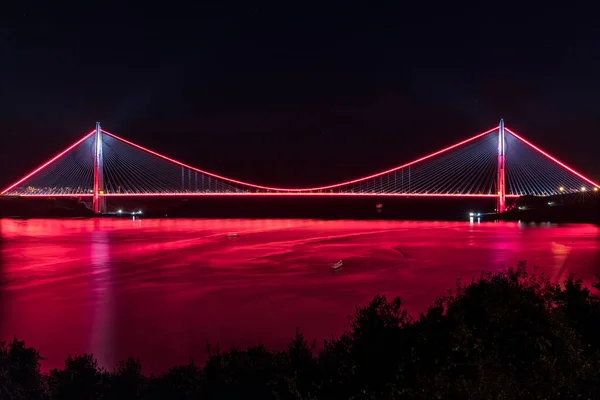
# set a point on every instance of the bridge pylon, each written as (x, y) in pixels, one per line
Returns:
(98, 202)
(501, 181)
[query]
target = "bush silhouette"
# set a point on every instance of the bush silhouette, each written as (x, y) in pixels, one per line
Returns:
(20, 376)
(80, 379)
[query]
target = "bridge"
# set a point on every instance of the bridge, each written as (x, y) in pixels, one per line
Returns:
(497, 163)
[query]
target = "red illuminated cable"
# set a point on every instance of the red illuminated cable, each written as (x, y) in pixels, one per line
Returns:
(302, 189)
(412, 162)
(287, 191)
(552, 158)
(49, 162)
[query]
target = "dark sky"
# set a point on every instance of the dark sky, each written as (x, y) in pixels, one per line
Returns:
(295, 93)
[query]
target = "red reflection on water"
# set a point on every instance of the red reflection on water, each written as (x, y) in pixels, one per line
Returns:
(158, 289)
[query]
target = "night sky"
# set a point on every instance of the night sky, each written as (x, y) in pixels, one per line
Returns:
(296, 94)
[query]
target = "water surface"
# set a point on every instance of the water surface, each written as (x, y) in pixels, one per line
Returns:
(159, 289)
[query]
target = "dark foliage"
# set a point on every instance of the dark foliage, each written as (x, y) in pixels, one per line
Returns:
(510, 335)
(81, 379)
(180, 382)
(20, 376)
(127, 381)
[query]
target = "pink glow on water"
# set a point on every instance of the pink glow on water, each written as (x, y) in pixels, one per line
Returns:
(158, 289)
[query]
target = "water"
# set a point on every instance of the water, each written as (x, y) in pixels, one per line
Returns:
(159, 289)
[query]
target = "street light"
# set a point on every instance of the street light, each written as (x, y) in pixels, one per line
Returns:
(583, 188)
(595, 189)
(561, 190)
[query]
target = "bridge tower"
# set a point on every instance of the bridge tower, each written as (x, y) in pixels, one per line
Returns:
(99, 202)
(501, 201)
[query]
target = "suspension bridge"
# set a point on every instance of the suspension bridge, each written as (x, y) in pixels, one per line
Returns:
(497, 163)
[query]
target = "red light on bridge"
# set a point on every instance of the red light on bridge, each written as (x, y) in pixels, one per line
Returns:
(303, 189)
(49, 162)
(565, 166)
(360, 187)
(456, 195)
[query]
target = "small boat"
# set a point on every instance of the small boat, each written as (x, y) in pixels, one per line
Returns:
(337, 266)
(232, 235)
